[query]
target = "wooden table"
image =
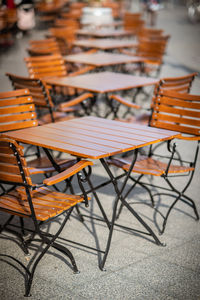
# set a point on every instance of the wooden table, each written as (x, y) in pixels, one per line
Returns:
(103, 59)
(97, 138)
(105, 32)
(105, 44)
(102, 82)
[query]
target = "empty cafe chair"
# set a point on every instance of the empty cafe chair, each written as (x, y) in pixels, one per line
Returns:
(36, 202)
(177, 112)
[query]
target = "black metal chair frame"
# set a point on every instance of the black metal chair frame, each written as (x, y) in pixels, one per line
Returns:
(45, 238)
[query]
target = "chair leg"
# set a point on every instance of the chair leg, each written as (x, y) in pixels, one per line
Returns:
(180, 195)
(192, 204)
(49, 243)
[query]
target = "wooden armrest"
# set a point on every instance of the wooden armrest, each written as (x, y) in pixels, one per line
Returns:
(124, 102)
(82, 71)
(189, 138)
(128, 52)
(75, 101)
(67, 173)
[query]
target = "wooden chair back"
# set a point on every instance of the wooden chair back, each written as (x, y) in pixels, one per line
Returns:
(152, 50)
(13, 167)
(181, 84)
(17, 110)
(43, 47)
(64, 37)
(69, 23)
(153, 34)
(133, 21)
(38, 89)
(177, 111)
(46, 66)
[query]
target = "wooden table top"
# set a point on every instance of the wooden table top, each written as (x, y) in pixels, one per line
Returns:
(102, 59)
(104, 32)
(105, 44)
(102, 82)
(91, 137)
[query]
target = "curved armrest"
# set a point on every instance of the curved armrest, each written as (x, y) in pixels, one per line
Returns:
(67, 173)
(189, 138)
(128, 52)
(82, 71)
(64, 106)
(124, 101)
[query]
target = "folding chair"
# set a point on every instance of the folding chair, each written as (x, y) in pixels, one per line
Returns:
(18, 111)
(64, 36)
(178, 112)
(43, 47)
(47, 111)
(37, 202)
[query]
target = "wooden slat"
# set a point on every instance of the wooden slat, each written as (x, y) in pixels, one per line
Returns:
(17, 109)
(14, 93)
(18, 117)
(178, 120)
(180, 103)
(15, 101)
(66, 137)
(176, 127)
(178, 111)
(20, 125)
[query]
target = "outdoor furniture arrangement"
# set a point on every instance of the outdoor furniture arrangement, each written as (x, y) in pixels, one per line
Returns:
(98, 139)
(73, 104)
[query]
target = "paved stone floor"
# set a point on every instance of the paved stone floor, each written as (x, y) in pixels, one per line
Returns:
(137, 269)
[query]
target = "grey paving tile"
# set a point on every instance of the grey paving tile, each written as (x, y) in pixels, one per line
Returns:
(186, 255)
(167, 278)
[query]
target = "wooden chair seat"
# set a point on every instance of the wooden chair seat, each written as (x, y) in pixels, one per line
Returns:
(149, 166)
(42, 165)
(47, 203)
(57, 116)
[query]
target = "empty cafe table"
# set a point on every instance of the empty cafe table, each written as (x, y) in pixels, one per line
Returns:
(103, 83)
(97, 138)
(102, 59)
(104, 32)
(105, 44)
